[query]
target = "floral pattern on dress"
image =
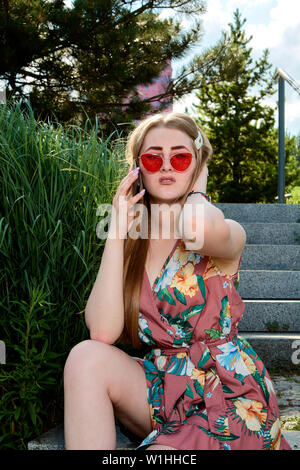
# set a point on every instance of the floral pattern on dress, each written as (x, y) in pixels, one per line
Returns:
(207, 387)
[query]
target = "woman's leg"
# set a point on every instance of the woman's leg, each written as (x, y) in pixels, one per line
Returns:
(160, 447)
(101, 381)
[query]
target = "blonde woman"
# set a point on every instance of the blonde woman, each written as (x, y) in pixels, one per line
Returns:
(199, 385)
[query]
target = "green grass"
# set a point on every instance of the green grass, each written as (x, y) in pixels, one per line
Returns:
(290, 423)
(295, 195)
(52, 181)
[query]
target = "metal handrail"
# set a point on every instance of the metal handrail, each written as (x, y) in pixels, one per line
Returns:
(281, 76)
(287, 78)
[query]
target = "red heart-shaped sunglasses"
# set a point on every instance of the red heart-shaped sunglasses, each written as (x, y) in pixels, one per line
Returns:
(153, 163)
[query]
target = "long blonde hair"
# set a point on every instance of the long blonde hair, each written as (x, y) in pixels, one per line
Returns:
(135, 250)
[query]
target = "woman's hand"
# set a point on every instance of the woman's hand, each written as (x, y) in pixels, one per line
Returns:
(201, 182)
(123, 211)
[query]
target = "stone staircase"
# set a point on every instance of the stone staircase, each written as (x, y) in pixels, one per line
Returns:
(270, 288)
(288, 395)
(270, 278)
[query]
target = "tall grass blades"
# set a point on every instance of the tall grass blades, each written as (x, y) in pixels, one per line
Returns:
(52, 181)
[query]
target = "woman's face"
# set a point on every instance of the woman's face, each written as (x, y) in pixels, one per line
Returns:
(166, 143)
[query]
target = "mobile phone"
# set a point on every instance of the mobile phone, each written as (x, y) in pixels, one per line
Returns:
(137, 184)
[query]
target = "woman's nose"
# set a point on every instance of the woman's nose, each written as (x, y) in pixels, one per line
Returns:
(166, 164)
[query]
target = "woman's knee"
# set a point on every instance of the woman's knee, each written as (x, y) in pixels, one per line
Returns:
(85, 356)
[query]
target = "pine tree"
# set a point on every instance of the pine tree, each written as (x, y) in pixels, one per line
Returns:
(240, 127)
(88, 58)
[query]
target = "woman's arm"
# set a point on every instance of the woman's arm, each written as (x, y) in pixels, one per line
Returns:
(104, 312)
(209, 233)
(213, 234)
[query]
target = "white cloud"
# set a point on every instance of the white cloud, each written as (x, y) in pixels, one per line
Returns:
(286, 12)
(292, 111)
(283, 18)
(186, 102)
(281, 35)
(233, 4)
(274, 25)
(215, 20)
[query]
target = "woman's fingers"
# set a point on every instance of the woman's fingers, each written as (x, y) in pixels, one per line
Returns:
(127, 182)
(138, 196)
(132, 207)
(123, 187)
(130, 182)
(124, 204)
(134, 199)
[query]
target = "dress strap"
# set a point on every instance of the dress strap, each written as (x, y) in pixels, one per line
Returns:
(235, 275)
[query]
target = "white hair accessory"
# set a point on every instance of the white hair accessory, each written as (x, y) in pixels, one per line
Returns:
(199, 140)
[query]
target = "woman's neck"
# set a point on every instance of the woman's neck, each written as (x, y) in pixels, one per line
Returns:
(164, 220)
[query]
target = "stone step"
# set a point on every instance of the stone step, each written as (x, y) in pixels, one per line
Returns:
(283, 213)
(266, 284)
(287, 388)
(50, 440)
(288, 398)
(293, 438)
(271, 257)
(271, 315)
(275, 348)
(272, 233)
(54, 440)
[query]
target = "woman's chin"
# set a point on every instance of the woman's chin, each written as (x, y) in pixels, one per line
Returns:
(165, 197)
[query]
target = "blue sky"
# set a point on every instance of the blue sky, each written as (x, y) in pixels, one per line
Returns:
(275, 25)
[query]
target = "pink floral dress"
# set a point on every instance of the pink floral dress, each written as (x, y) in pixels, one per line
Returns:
(207, 388)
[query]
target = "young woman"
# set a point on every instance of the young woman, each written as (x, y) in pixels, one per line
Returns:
(199, 384)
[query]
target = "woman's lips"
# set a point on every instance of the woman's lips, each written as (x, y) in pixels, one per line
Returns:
(166, 181)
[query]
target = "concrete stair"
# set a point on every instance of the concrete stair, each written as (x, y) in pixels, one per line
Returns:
(54, 440)
(288, 397)
(270, 278)
(270, 288)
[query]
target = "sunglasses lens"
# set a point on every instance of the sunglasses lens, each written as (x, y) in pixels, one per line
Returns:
(181, 161)
(151, 162)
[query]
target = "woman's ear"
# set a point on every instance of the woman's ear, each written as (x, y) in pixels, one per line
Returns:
(207, 153)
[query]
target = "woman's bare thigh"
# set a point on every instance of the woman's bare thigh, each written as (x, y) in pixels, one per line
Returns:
(123, 378)
(160, 447)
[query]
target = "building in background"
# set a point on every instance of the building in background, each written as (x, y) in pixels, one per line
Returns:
(159, 85)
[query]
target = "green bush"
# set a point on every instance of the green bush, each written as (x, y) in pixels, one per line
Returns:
(52, 181)
(295, 196)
